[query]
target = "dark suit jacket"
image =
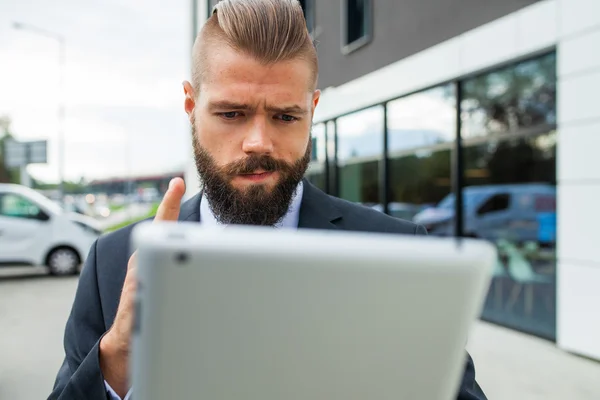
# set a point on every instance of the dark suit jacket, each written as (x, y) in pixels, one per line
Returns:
(102, 277)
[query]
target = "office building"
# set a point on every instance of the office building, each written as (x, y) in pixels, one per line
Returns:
(474, 119)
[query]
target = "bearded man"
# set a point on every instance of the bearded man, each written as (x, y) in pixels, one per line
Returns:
(250, 103)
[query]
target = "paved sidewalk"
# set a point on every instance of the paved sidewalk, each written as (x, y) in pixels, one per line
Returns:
(34, 308)
(514, 366)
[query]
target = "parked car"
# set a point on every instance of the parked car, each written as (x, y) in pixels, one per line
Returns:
(34, 230)
(522, 212)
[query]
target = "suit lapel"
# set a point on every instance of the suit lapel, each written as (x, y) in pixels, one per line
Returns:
(190, 209)
(317, 210)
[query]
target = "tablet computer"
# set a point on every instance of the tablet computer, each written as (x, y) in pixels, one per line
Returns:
(258, 313)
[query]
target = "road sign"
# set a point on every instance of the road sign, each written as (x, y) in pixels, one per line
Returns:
(18, 154)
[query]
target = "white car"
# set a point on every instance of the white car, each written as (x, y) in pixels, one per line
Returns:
(36, 231)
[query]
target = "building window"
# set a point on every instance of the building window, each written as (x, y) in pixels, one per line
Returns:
(356, 24)
(509, 147)
(359, 153)
(509, 194)
(521, 96)
(316, 173)
(421, 133)
(308, 6)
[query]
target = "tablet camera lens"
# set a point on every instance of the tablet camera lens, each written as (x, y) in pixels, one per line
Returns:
(181, 257)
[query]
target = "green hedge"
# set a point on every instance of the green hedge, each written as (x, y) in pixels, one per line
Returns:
(123, 224)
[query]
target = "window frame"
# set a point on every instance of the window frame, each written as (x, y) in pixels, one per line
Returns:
(350, 47)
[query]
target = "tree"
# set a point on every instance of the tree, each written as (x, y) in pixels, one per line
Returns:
(6, 175)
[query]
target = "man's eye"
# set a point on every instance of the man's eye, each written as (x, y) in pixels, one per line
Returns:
(287, 118)
(230, 114)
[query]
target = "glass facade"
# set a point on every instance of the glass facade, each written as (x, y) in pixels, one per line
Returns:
(421, 132)
(316, 173)
(398, 157)
(359, 153)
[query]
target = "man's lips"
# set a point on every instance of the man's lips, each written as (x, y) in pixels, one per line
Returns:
(257, 176)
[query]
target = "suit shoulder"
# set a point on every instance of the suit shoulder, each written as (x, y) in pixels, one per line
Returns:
(117, 243)
(357, 217)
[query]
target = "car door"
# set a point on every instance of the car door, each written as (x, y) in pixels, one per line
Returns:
(24, 230)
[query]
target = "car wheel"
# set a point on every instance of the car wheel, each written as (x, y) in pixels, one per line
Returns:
(63, 261)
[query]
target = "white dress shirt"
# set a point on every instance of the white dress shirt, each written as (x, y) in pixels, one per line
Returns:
(290, 220)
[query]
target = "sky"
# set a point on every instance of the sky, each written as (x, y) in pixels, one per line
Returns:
(125, 64)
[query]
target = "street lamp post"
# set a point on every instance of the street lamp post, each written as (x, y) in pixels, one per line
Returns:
(61, 103)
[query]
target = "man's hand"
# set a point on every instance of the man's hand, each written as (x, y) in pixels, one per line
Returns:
(115, 344)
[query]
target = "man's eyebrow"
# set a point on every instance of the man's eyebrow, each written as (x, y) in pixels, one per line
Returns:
(292, 109)
(228, 105)
(233, 106)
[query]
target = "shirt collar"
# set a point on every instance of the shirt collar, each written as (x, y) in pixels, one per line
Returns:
(290, 220)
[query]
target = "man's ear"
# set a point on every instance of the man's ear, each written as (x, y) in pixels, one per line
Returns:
(315, 100)
(190, 99)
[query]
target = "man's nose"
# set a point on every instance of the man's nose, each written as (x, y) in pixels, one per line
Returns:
(257, 139)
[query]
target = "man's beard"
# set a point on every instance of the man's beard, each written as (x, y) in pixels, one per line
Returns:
(256, 204)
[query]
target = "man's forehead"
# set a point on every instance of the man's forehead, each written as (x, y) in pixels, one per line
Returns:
(214, 94)
(226, 67)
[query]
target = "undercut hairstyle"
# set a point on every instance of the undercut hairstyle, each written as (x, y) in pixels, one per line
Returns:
(269, 31)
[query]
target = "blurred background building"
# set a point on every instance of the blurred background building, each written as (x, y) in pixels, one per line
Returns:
(474, 119)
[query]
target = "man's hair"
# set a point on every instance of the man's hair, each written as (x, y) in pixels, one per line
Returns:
(270, 31)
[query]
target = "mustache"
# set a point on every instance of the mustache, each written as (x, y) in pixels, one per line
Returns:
(255, 162)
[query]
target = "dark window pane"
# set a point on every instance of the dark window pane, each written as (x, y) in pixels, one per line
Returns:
(421, 131)
(418, 182)
(510, 99)
(359, 152)
(332, 173)
(319, 147)
(356, 19)
(316, 171)
(359, 182)
(316, 175)
(510, 199)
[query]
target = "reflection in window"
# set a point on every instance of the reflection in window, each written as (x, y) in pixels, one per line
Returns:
(360, 134)
(419, 181)
(421, 131)
(513, 98)
(510, 199)
(511, 160)
(319, 145)
(359, 151)
(316, 171)
(316, 175)
(332, 173)
(422, 119)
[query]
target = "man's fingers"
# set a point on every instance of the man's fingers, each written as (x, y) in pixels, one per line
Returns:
(132, 260)
(168, 210)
